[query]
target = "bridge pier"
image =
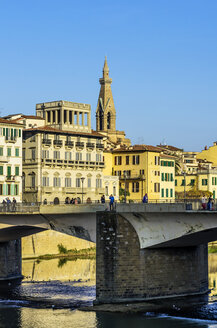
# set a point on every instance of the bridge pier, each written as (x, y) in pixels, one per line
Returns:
(127, 273)
(10, 260)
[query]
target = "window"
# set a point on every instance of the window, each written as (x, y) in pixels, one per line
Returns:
(1, 170)
(157, 187)
(118, 160)
(167, 192)
(24, 154)
(8, 151)
(16, 189)
(45, 154)
(127, 160)
(171, 192)
(106, 190)
(78, 156)
(17, 169)
(78, 182)
(68, 155)
(135, 187)
(89, 182)
(141, 172)
(162, 192)
(127, 173)
(98, 157)
(17, 152)
(33, 180)
(204, 182)
(88, 157)
(56, 182)
(118, 173)
(8, 189)
(162, 176)
(157, 160)
(171, 177)
(183, 182)
(175, 182)
(56, 154)
(135, 159)
(114, 191)
(8, 171)
(33, 153)
(1, 189)
(45, 181)
(68, 182)
(1, 151)
(98, 183)
(192, 182)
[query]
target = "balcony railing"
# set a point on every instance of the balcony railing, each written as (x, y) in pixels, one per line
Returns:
(79, 144)
(58, 143)
(10, 139)
(99, 146)
(46, 142)
(69, 143)
(90, 145)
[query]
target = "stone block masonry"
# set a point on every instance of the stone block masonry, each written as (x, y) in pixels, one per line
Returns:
(125, 273)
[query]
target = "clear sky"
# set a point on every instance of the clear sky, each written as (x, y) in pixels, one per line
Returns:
(162, 56)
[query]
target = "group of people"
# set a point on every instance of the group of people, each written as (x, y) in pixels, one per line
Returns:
(207, 205)
(8, 201)
(73, 200)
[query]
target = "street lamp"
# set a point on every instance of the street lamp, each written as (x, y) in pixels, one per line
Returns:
(82, 188)
(125, 187)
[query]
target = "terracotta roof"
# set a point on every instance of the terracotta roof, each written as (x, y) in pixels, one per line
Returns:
(4, 121)
(172, 148)
(137, 148)
(48, 128)
(30, 116)
(167, 156)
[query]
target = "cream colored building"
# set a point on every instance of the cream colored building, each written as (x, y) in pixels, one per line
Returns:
(167, 172)
(10, 160)
(63, 158)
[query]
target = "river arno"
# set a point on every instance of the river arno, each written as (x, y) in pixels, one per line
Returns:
(54, 290)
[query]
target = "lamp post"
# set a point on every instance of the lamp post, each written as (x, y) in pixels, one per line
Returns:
(82, 189)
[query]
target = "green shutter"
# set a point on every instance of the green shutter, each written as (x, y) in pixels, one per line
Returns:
(171, 177)
(9, 171)
(162, 192)
(175, 182)
(4, 132)
(167, 192)
(12, 189)
(19, 133)
(17, 152)
(162, 177)
(1, 170)
(16, 170)
(12, 134)
(171, 192)
(213, 194)
(1, 151)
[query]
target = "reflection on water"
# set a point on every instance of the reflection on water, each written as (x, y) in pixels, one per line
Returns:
(53, 289)
(59, 269)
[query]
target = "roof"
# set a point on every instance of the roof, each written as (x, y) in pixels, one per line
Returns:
(172, 148)
(48, 128)
(4, 121)
(136, 148)
(167, 156)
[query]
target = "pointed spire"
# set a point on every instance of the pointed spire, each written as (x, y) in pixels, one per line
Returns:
(105, 68)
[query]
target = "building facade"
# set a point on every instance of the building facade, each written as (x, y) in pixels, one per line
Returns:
(64, 158)
(10, 160)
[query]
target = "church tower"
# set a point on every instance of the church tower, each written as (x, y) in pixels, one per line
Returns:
(105, 112)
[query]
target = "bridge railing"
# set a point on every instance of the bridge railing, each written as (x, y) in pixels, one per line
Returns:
(20, 207)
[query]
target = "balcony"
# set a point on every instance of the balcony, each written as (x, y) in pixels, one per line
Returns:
(46, 142)
(90, 145)
(10, 178)
(58, 143)
(99, 146)
(12, 139)
(79, 144)
(69, 144)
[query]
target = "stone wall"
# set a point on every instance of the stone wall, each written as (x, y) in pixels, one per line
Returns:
(10, 260)
(124, 272)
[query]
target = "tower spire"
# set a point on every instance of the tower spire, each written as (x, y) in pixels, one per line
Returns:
(105, 69)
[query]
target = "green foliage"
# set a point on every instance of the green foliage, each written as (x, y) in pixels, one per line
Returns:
(62, 249)
(193, 194)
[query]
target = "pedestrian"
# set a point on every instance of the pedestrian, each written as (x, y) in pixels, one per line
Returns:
(145, 199)
(111, 203)
(209, 204)
(103, 199)
(203, 201)
(45, 201)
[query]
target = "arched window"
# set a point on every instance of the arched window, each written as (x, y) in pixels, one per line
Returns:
(101, 119)
(33, 180)
(109, 120)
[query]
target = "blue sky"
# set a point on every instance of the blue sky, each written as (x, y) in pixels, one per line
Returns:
(162, 56)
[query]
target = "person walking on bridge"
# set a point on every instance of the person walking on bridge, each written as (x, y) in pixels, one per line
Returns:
(111, 203)
(203, 201)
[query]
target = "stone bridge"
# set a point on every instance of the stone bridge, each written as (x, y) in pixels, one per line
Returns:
(144, 251)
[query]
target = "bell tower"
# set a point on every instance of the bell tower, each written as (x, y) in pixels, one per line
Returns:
(105, 112)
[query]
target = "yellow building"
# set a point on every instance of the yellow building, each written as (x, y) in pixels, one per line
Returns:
(140, 169)
(209, 154)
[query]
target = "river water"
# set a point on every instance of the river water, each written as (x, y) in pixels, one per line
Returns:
(53, 291)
